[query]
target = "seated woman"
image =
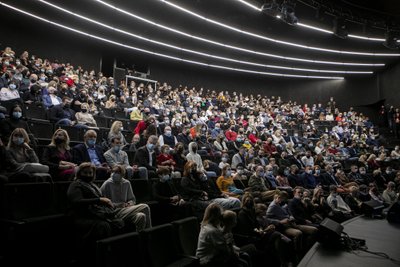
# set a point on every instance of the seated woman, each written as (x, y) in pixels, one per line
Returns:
(212, 249)
(58, 156)
(14, 121)
(201, 191)
(116, 131)
(165, 159)
(226, 184)
(179, 157)
(21, 157)
(84, 118)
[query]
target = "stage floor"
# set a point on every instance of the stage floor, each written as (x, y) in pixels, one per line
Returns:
(380, 236)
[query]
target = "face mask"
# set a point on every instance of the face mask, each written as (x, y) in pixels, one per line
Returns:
(362, 172)
(121, 128)
(168, 133)
(116, 177)
(165, 178)
(86, 178)
(116, 149)
(150, 147)
(194, 149)
(228, 173)
(91, 142)
(286, 172)
(224, 160)
(33, 80)
(261, 174)
(239, 139)
(58, 140)
(317, 172)
(18, 141)
(203, 178)
(12, 86)
(309, 171)
(42, 78)
(388, 172)
(270, 173)
(17, 114)
(84, 110)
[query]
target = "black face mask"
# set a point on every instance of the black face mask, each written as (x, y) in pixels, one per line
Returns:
(86, 178)
(194, 149)
(58, 141)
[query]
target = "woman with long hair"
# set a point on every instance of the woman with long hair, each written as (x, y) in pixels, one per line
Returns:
(58, 156)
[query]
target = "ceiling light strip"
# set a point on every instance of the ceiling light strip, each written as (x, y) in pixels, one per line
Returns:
(239, 48)
(249, 5)
(197, 52)
(279, 41)
(165, 55)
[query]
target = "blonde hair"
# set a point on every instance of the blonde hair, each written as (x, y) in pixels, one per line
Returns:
(115, 127)
(65, 133)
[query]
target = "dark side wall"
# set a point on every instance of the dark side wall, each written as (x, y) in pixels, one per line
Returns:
(389, 85)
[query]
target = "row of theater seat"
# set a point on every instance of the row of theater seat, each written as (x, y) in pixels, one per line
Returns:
(35, 213)
(171, 244)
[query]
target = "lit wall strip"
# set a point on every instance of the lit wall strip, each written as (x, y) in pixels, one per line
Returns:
(197, 52)
(236, 47)
(279, 41)
(375, 39)
(249, 5)
(165, 55)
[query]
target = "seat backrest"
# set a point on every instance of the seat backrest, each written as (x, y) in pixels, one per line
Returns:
(35, 112)
(187, 233)
(26, 200)
(60, 195)
(142, 190)
(41, 129)
(159, 242)
(121, 250)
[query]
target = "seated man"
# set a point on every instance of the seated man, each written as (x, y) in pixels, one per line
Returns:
(89, 151)
(286, 223)
(259, 187)
(119, 191)
(116, 156)
(146, 157)
(341, 211)
(172, 204)
(63, 114)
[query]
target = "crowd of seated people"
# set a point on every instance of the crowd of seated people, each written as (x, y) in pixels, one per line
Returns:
(318, 159)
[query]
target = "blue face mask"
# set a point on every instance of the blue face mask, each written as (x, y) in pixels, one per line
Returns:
(117, 149)
(239, 139)
(269, 173)
(286, 172)
(18, 141)
(12, 86)
(91, 142)
(228, 173)
(261, 174)
(17, 114)
(2, 116)
(150, 147)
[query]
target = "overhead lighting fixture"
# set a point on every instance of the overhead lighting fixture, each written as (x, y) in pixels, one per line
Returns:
(288, 12)
(340, 28)
(318, 15)
(272, 9)
(259, 53)
(165, 55)
(391, 40)
(198, 52)
(353, 53)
